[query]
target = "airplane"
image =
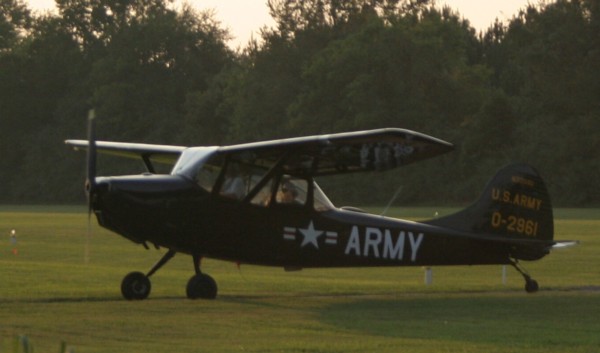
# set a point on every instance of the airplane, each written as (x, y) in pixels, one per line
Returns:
(258, 203)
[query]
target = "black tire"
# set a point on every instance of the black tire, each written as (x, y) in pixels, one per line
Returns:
(531, 286)
(201, 286)
(136, 286)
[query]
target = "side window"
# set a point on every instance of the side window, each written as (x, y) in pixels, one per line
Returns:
(244, 172)
(291, 191)
(238, 179)
(207, 175)
(263, 198)
(235, 185)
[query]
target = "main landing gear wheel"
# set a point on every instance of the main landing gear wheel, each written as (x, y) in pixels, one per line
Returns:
(136, 286)
(201, 286)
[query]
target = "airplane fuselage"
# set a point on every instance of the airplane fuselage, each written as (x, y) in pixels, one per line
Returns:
(172, 212)
(258, 203)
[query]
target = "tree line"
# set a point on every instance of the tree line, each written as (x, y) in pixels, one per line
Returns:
(527, 90)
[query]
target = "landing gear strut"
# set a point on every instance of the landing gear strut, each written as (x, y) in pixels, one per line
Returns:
(201, 285)
(531, 285)
(137, 286)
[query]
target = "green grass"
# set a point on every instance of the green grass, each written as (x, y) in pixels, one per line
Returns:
(48, 293)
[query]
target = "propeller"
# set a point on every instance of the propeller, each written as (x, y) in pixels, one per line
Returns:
(90, 182)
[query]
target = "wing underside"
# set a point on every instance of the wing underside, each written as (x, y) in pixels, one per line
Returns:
(150, 154)
(319, 155)
(380, 149)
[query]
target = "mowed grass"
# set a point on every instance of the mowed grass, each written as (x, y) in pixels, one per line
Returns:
(50, 294)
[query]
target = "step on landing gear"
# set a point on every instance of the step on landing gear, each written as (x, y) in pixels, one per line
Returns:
(531, 285)
(137, 286)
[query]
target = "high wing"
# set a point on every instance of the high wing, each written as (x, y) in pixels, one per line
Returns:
(149, 153)
(319, 155)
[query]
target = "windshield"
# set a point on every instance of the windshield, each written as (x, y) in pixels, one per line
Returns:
(322, 202)
(191, 160)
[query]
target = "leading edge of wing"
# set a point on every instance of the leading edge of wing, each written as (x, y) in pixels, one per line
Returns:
(160, 153)
(378, 149)
(364, 136)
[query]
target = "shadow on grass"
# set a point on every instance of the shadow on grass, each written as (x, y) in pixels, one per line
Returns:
(555, 320)
(74, 300)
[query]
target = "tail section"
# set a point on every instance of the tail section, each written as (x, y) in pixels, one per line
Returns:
(514, 208)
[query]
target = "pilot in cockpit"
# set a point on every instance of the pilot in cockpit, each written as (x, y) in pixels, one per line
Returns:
(287, 193)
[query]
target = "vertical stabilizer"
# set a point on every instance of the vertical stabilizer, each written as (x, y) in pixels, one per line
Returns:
(515, 204)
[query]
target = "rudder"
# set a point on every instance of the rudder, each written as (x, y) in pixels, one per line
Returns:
(515, 205)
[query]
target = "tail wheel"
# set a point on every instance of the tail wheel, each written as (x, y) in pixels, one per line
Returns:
(136, 286)
(201, 286)
(531, 285)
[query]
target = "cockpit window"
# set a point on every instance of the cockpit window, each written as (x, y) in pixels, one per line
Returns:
(289, 191)
(240, 179)
(292, 191)
(321, 201)
(207, 175)
(243, 174)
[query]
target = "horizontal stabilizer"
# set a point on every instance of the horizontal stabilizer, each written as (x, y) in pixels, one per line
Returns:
(564, 244)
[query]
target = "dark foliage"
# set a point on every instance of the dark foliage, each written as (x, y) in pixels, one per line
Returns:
(527, 90)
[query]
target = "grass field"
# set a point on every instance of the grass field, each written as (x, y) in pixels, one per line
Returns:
(48, 293)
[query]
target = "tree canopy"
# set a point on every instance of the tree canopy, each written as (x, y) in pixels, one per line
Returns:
(525, 90)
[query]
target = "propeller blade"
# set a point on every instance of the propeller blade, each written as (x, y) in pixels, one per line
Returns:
(90, 184)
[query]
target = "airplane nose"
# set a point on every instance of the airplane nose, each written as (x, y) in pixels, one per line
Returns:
(133, 206)
(136, 190)
(98, 193)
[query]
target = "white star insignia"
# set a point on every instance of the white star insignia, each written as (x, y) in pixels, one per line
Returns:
(310, 235)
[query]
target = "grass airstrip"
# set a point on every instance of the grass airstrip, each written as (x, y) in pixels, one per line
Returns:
(49, 294)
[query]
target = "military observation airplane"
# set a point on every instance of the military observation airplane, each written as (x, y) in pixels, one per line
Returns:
(258, 203)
